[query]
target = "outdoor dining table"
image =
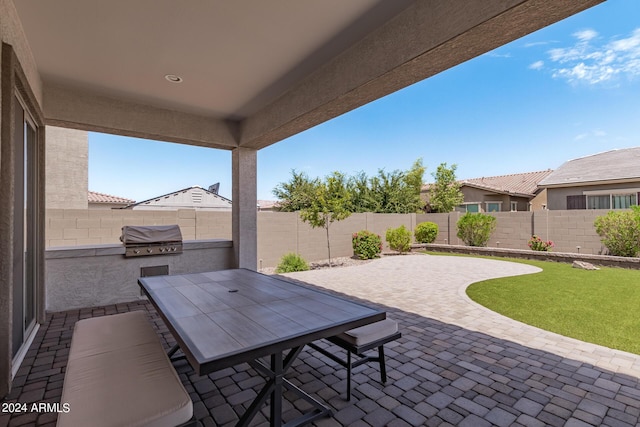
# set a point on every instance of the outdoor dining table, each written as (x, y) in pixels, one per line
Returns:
(224, 318)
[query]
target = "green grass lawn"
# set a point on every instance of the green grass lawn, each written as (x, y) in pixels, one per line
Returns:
(601, 307)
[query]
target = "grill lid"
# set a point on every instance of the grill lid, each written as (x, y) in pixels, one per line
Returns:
(145, 234)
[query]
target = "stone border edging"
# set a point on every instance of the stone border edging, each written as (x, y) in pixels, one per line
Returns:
(568, 257)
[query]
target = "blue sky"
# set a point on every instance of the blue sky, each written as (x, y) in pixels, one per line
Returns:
(566, 91)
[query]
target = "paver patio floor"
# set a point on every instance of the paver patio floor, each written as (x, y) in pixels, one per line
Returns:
(456, 363)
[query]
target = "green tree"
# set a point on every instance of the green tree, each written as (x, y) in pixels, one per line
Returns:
(394, 192)
(296, 194)
(362, 198)
(445, 193)
(388, 192)
(330, 202)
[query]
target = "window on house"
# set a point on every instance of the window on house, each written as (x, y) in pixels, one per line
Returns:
(599, 202)
(611, 200)
(493, 206)
(623, 201)
(473, 207)
(577, 202)
(468, 207)
(514, 206)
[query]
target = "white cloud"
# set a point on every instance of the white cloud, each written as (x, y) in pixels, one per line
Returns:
(598, 133)
(544, 43)
(495, 54)
(588, 61)
(537, 65)
(585, 35)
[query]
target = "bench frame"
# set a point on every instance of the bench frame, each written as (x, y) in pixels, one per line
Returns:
(358, 351)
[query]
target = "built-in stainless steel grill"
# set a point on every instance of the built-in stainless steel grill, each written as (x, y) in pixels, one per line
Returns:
(143, 240)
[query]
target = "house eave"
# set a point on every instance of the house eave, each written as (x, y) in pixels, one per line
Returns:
(497, 191)
(590, 183)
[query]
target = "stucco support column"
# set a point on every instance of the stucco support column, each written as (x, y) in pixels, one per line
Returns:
(245, 213)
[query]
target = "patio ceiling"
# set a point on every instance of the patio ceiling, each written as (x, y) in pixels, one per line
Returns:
(254, 72)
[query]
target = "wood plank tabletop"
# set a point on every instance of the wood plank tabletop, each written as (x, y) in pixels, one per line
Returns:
(223, 318)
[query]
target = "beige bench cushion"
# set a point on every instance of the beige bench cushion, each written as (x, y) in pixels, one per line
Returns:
(119, 375)
(370, 333)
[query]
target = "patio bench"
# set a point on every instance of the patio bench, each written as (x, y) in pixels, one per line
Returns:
(119, 374)
(360, 340)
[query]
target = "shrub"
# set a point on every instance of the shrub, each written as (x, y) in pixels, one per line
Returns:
(620, 232)
(399, 239)
(426, 232)
(292, 262)
(366, 245)
(475, 228)
(537, 244)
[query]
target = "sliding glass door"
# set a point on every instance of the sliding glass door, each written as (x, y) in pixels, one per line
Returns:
(25, 243)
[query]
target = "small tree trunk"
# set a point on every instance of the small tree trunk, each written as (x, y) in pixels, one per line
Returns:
(328, 245)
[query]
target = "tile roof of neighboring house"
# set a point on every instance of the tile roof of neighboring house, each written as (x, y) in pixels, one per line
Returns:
(525, 184)
(95, 197)
(267, 204)
(611, 165)
(517, 183)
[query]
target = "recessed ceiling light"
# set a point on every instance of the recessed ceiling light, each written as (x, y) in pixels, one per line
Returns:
(173, 78)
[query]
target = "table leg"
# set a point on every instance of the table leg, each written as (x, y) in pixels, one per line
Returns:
(173, 350)
(273, 389)
(276, 393)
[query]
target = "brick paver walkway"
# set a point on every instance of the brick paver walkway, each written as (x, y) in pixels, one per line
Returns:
(456, 364)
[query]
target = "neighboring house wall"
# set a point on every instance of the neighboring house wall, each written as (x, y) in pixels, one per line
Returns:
(189, 198)
(476, 195)
(540, 202)
(513, 192)
(557, 197)
(66, 159)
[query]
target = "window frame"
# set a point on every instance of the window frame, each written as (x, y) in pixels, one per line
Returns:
(611, 194)
(487, 203)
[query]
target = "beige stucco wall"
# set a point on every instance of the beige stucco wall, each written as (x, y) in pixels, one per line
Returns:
(557, 197)
(11, 32)
(101, 275)
(540, 201)
(67, 157)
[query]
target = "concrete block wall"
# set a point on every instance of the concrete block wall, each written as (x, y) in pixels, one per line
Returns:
(513, 230)
(379, 223)
(445, 235)
(312, 242)
(277, 234)
(73, 227)
(282, 232)
(570, 229)
(212, 225)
